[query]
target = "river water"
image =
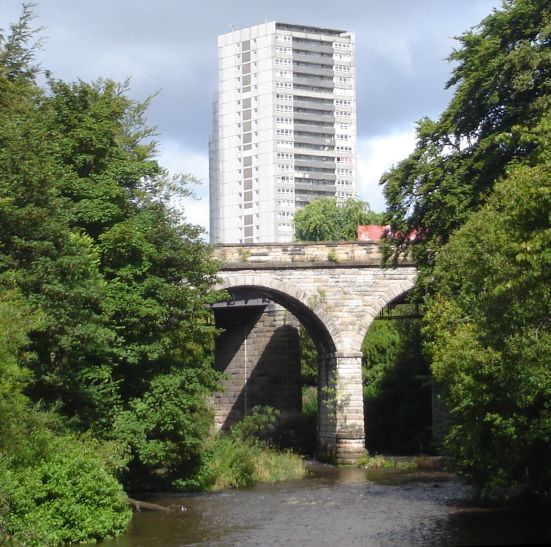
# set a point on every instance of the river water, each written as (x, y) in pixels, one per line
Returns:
(338, 507)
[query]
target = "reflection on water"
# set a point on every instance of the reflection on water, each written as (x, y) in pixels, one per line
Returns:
(337, 507)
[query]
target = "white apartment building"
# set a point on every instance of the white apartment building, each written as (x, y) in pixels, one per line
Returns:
(284, 130)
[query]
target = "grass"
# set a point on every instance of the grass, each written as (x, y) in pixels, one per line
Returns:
(418, 463)
(242, 458)
(237, 463)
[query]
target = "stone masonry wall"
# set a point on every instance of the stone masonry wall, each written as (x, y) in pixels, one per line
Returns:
(344, 299)
(259, 354)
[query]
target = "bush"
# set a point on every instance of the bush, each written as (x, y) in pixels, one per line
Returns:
(241, 458)
(54, 487)
(66, 496)
(259, 424)
(488, 333)
(397, 387)
(231, 462)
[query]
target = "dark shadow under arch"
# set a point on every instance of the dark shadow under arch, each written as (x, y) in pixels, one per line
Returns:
(264, 384)
(313, 324)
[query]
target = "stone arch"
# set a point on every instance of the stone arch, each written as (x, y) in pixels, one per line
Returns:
(322, 329)
(389, 293)
(319, 325)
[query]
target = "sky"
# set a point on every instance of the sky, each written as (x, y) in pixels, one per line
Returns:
(169, 47)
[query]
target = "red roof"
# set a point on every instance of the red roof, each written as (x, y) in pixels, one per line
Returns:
(371, 232)
(375, 232)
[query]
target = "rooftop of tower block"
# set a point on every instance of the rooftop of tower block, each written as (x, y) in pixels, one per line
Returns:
(314, 30)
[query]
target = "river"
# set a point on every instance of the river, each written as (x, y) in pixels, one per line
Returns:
(337, 507)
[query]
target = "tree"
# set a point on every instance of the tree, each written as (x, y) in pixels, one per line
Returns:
(54, 486)
(17, 51)
(325, 219)
(476, 191)
(88, 237)
(489, 338)
(502, 89)
(157, 281)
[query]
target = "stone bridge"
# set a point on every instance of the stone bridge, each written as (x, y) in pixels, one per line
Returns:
(335, 291)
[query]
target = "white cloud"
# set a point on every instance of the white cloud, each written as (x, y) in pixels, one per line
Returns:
(178, 159)
(375, 156)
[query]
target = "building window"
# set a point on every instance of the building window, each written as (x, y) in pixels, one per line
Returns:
(284, 50)
(284, 121)
(284, 98)
(283, 62)
(283, 74)
(284, 156)
(342, 46)
(284, 85)
(343, 102)
(284, 132)
(285, 144)
(285, 38)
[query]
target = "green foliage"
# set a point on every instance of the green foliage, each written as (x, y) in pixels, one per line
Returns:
(260, 423)
(378, 461)
(16, 51)
(65, 495)
(235, 463)
(381, 348)
(123, 284)
(325, 219)
(308, 359)
(54, 487)
(16, 318)
(104, 303)
(165, 427)
(241, 458)
(310, 403)
(476, 191)
(502, 89)
(489, 338)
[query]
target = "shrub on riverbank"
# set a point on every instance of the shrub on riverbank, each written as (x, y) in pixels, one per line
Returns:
(67, 496)
(242, 457)
(236, 463)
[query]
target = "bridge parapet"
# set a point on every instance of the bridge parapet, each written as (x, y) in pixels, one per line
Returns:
(302, 255)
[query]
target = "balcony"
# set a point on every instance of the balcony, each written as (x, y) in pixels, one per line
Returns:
(313, 82)
(326, 150)
(306, 116)
(319, 140)
(309, 128)
(331, 177)
(315, 71)
(314, 162)
(314, 48)
(314, 103)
